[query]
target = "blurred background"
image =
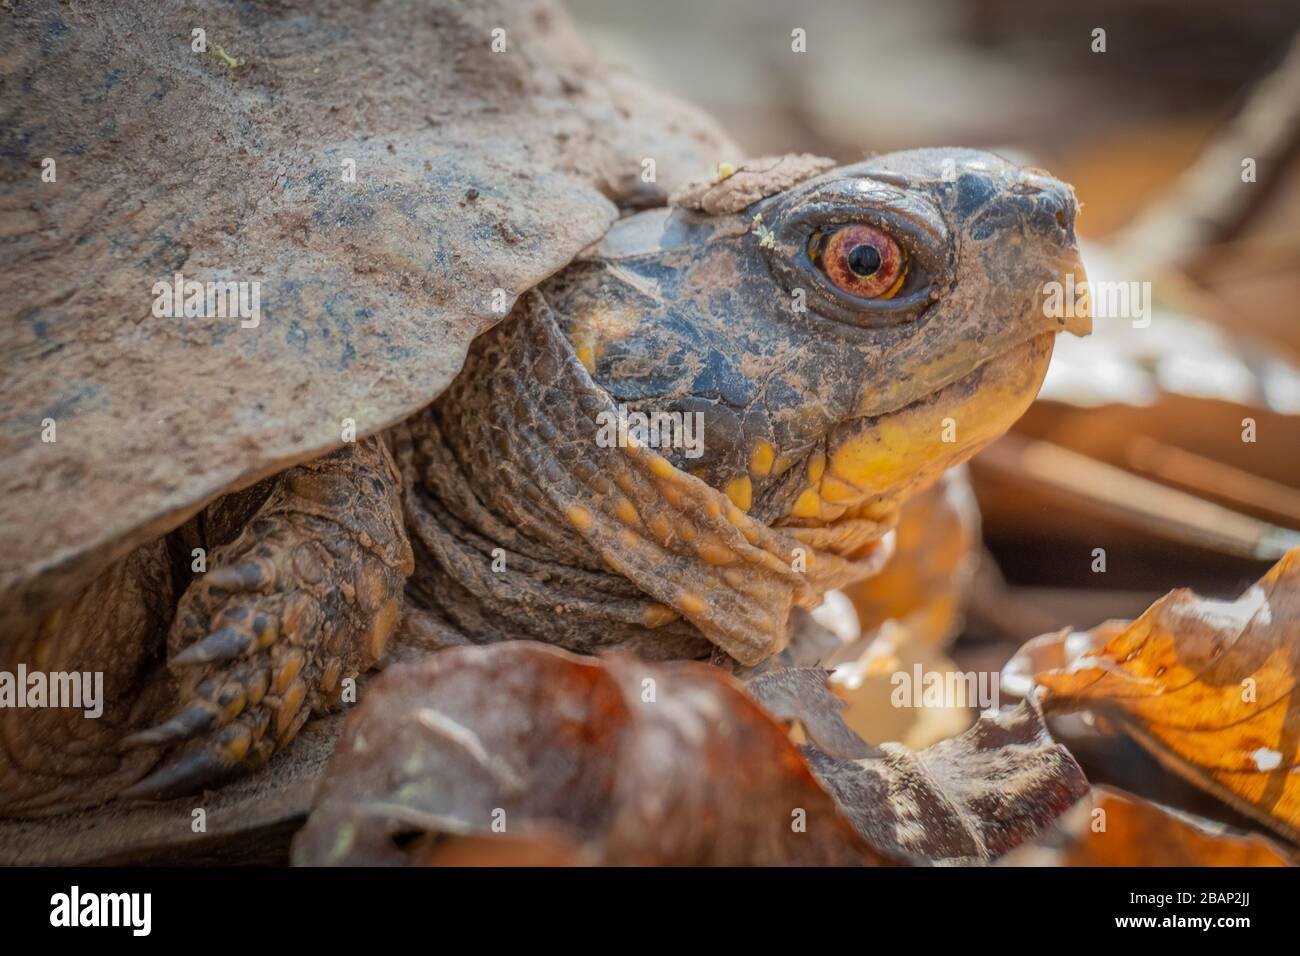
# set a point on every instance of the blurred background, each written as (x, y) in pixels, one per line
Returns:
(1158, 456)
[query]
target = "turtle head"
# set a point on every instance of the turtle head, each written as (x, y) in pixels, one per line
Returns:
(845, 334)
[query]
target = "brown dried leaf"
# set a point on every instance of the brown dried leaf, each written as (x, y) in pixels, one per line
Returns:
(1114, 828)
(616, 761)
(1210, 689)
(609, 761)
(803, 694)
(965, 800)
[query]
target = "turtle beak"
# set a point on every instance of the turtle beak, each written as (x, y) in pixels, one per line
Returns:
(1080, 323)
(1068, 299)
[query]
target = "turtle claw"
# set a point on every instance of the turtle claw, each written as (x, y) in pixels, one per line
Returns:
(191, 721)
(189, 772)
(296, 603)
(222, 645)
(253, 575)
(205, 763)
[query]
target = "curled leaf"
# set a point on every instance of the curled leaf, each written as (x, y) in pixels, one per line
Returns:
(803, 695)
(563, 758)
(1210, 689)
(969, 799)
(1114, 828)
(521, 753)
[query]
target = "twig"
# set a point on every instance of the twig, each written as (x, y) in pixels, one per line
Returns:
(1210, 203)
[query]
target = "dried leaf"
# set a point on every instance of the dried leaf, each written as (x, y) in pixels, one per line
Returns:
(803, 694)
(1114, 828)
(926, 582)
(867, 686)
(1050, 651)
(609, 761)
(548, 757)
(1210, 689)
(965, 800)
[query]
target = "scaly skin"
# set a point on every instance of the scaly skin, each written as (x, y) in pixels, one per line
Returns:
(822, 412)
(304, 595)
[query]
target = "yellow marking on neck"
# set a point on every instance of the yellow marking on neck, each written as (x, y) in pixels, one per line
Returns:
(662, 467)
(909, 445)
(808, 504)
(691, 603)
(715, 552)
(816, 466)
(761, 458)
(839, 492)
(741, 493)
(672, 494)
(662, 528)
(592, 332)
(657, 615)
(578, 516)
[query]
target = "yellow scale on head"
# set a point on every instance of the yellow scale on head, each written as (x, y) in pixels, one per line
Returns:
(593, 331)
(741, 492)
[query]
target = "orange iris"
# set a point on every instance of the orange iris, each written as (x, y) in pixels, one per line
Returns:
(861, 260)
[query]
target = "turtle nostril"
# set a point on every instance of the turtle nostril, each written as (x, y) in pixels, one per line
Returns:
(1053, 202)
(1054, 210)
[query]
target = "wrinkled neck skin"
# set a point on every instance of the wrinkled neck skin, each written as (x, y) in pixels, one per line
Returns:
(526, 527)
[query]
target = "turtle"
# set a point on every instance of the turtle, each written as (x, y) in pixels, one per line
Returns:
(344, 332)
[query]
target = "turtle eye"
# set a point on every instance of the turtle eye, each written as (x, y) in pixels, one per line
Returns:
(860, 260)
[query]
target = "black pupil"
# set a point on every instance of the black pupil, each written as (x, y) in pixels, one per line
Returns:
(864, 260)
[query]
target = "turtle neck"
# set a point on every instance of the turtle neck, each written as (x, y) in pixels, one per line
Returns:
(525, 526)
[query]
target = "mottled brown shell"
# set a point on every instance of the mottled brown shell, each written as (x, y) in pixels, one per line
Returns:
(477, 174)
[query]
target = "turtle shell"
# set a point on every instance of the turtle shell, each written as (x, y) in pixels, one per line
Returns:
(392, 175)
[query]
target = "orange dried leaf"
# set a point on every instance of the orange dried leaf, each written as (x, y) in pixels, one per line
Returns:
(1115, 828)
(1210, 689)
(925, 584)
(1133, 832)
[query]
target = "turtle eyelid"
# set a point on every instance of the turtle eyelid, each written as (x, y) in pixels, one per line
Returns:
(909, 216)
(888, 178)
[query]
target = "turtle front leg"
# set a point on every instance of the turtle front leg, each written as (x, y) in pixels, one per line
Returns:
(306, 595)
